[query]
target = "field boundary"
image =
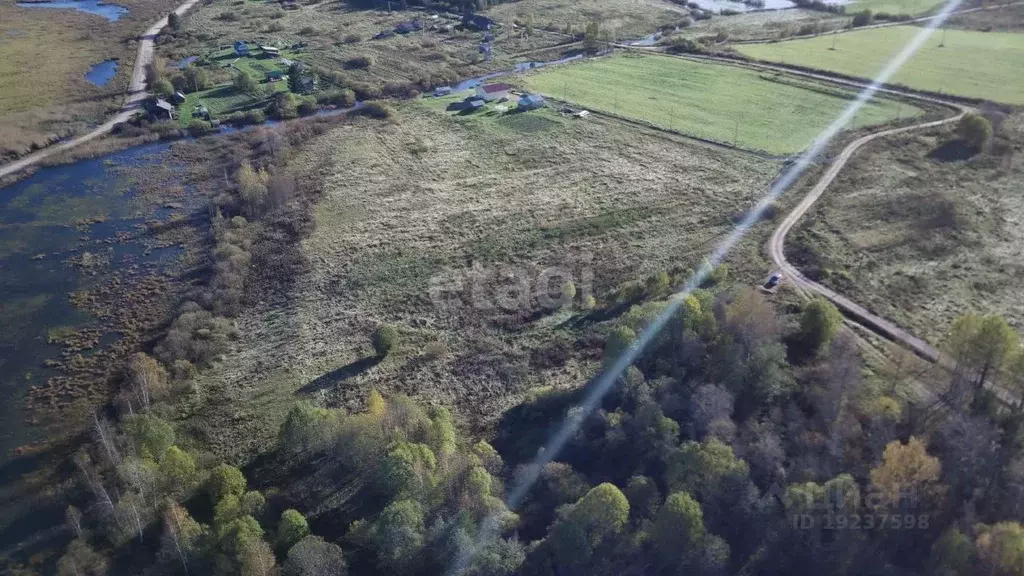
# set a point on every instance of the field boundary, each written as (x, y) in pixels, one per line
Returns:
(645, 124)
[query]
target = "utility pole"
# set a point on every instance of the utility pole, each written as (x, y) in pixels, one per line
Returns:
(835, 36)
(736, 136)
(942, 44)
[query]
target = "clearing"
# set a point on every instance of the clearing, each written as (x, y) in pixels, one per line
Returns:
(984, 65)
(776, 113)
(436, 197)
(918, 234)
(223, 98)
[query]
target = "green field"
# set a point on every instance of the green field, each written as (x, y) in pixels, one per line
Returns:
(973, 64)
(774, 113)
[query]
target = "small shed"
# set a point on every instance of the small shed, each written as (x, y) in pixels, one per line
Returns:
(493, 91)
(177, 98)
(241, 48)
(531, 102)
(442, 91)
(270, 51)
(274, 75)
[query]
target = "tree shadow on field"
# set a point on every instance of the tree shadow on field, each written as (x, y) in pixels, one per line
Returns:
(339, 375)
(953, 151)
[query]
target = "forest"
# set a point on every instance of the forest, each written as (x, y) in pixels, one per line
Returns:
(744, 440)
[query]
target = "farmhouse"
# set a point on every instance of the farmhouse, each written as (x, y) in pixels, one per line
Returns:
(270, 51)
(162, 109)
(274, 75)
(493, 91)
(241, 48)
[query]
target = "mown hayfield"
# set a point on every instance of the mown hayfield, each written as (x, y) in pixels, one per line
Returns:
(773, 113)
(974, 64)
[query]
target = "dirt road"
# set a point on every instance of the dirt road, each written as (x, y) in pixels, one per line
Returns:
(136, 94)
(777, 245)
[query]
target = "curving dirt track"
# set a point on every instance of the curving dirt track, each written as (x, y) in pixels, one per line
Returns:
(136, 94)
(777, 245)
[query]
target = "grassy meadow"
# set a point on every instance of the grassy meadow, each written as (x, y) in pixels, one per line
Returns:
(983, 65)
(920, 234)
(434, 197)
(776, 114)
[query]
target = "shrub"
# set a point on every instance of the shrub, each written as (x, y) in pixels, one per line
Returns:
(275, 27)
(307, 107)
(292, 528)
(385, 338)
(163, 87)
(284, 106)
(619, 340)
(229, 16)
(359, 62)
(378, 110)
(196, 336)
(975, 131)
(353, 38)
(819, 324)
(344, 98)
(199, 127)
(629, 292)
(307, 31)
(862, 18)
(246, 84)
(225, 480)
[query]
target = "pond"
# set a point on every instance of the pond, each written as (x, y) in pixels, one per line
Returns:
(111, 12)
(53, 224)
(62, 229)
(102, 73)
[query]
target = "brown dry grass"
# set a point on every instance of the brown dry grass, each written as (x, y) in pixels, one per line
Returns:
(432, 196)
(921, 240)
(44, 55)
